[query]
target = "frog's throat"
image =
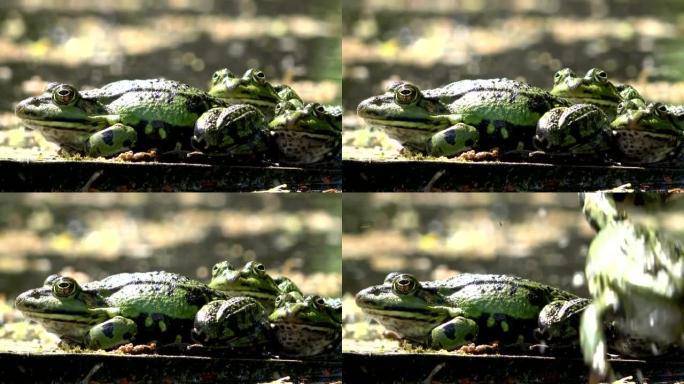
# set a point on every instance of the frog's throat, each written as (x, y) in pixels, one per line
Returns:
(429, 316)
(86, 124)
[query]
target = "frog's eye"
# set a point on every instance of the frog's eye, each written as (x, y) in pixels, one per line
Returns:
(601, 76)
(662, 108)
(406, 94)
(64, 287)
(318, 109)
(621, 107)
(64, 94)
(405, 284)
(259, 269)
(259, 76)
(319, 301)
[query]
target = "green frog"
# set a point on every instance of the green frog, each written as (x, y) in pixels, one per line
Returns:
(636, 277)
(252, 88)
(122, 308)
(594, 89)
(251, 281)
(120, 116)
(306, 326)
(306, 134)
(446, 314)
(646, 134)
(466, 114)
(237, 323)
(237, 131)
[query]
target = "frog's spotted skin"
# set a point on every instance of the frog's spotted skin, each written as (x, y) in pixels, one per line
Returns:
(306, 326)
(122, 308)
(306, 134)
(251, 281)
(120, 116)
(237, 131)
(636, 277)
(446, 314)
(467, 114)
(581, 129)
(647, 133)
(236, 323)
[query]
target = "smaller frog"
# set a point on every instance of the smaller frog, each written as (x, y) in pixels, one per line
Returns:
(251, 281)
(446, 314)
(238, 323)
(645, 134)
(252, 88)
(636, 277)
(306, 134)
(306, 326)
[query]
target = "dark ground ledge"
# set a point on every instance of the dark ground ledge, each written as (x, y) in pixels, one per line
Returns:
(63, 175)
(110, 368)
(427, 175)
(434, 368)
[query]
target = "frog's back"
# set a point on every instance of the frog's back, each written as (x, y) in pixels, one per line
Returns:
(504, 111)
(503, 294)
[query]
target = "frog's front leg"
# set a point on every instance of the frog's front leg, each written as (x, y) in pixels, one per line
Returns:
(112, 333)
(458, 138)
(110, 141)
(454, 333)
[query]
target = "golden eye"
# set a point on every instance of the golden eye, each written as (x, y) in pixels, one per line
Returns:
(64, 94)
(405, 284)
(64, 287)
(406, 94)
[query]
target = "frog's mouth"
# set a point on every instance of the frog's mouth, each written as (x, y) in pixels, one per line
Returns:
(433, 124)
(79, 125)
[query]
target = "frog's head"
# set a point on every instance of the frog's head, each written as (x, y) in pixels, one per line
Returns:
(403, 305)
(311, 118)
(252, 281)
(404, 107)
(252, 88)
(593, 88)
(63, 308)
(647, 133)
(293, 308)
(63, 114)
(627, 92)
(305, 326)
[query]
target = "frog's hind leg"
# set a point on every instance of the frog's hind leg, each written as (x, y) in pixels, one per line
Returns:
(453, 140)
(454, 333)
(112, 333)
(111, 141)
